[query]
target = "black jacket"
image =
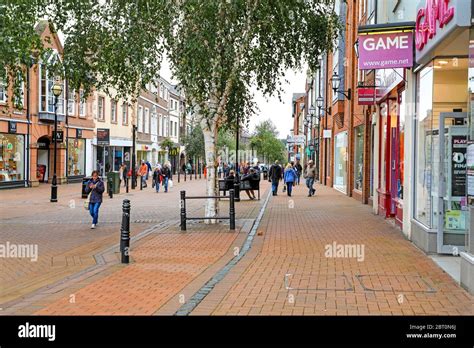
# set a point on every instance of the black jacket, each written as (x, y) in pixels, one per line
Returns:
(96, 195)
(275, 172)
(166, 172)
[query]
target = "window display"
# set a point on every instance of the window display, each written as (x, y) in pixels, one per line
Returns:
(340, 162)
(12, 157)
(76, 157)
(359, 158)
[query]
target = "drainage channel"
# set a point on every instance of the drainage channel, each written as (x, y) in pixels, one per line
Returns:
(197, 298)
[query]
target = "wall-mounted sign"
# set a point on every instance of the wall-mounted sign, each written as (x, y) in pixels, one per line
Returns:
(386, 51)
(58, 136)
(174, 152)
(327, 134)
(368, 96)
(295, 139)
(435, 21)
(103, 136)
(458, 166)
(436, 14)
(78, 133)
(12, 127)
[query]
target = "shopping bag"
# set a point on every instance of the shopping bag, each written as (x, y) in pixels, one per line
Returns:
(170, 183)
(87, 201)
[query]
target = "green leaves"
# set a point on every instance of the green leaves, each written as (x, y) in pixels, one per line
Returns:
(265, 142)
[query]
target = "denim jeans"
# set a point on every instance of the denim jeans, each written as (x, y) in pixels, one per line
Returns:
(289, 187)
(94, 211)
(275, 186)
(309, 185)
(157, 186)
(165, 183)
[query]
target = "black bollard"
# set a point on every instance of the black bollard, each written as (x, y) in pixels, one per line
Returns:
(232, 210)
(183, 210)
(141, 183)
(179, 171)
(110, 187)
(237, 192)
(126, 184)
(125, 231)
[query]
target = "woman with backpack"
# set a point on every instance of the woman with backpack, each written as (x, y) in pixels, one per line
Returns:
(95, 187)
(290, 177)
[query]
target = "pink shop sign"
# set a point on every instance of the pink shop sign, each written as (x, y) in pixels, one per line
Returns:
(386, 51)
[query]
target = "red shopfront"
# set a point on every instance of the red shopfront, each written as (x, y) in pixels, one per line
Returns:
(391, 128)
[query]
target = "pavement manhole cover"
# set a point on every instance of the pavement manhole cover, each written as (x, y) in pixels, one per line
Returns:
(316, 282)
(395, 283)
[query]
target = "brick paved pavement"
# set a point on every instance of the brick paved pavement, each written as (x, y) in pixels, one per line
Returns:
(294, 233)
(162, 263)
(65, 242)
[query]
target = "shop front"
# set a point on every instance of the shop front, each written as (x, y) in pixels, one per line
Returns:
(12, 159)
(440, 213)
(340, 161)
(111, 152)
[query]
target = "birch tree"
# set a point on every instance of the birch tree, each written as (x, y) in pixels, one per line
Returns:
(218, 49)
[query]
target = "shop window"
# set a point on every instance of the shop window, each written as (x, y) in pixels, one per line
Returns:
(340, 162)
(359, 157)
(12, 157)
(442, 87)
(3, 90)
(76, 164)
(140, 119)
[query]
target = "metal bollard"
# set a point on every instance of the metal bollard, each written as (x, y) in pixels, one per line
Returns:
(200, 171)
(125, 231)
(184, 175)
(232, 209)
(110, 188)
(183, 210)
(126, 184)
(141, 183)
(179, 171)
(237, 192)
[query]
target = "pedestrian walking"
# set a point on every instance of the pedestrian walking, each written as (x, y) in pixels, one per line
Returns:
(275, 176)
(123, 174)
(166, 175)
(95, 187)
(157, 178)
(142, 172)
(290, 178)
(149, 169)
(299, 170)
(309, 175)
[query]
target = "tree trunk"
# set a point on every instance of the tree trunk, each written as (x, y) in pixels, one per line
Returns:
(210, 141)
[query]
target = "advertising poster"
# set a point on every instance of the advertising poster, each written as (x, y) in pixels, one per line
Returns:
(458, 166)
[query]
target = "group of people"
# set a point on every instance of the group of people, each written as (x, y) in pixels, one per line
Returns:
(291, 176)
(253, 176)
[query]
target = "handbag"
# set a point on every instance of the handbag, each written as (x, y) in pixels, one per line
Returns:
(88, 200)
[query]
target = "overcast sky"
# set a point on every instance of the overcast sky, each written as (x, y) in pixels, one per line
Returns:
(273, 109)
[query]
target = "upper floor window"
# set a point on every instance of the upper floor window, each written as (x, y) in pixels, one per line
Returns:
(82, 104)
(71, 95)
(146, 128)
(160, 125)
(162, 89)
(140, 119)
(101, 108)
(113, 111)
(124, 114)
(46, 96)
(18, 100)
(3, 90)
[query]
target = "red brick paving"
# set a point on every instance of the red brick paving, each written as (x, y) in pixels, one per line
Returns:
(294, 241)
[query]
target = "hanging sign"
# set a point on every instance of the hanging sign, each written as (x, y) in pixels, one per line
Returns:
(386, 51)
(103, 136)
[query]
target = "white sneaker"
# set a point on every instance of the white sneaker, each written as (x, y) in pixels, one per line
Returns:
(93, 226)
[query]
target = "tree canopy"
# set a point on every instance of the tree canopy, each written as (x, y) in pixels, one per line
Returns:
(265, 141)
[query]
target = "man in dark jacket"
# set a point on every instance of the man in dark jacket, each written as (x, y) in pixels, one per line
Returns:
(253, 178)
(96, 188)
(299, 170)
(275, 176)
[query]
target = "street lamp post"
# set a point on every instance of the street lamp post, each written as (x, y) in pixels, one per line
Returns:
(134, 130)
(57, 90)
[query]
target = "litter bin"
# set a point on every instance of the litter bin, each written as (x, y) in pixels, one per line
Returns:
(115, 181)
(85, 180)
